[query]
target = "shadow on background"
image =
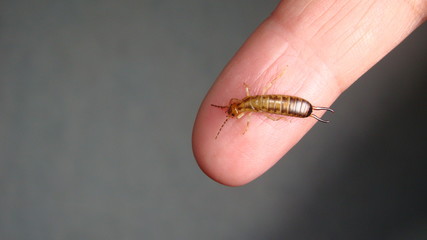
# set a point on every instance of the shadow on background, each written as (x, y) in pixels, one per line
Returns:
(380, 190)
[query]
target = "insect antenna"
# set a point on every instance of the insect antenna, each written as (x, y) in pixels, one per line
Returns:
(318, 118)
(213, 105)
(222, 127)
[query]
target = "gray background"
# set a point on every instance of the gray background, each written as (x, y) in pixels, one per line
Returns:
(97, 103)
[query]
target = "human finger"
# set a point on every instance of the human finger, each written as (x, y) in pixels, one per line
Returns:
(321, 47)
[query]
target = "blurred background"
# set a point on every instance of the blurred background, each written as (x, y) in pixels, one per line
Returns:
(97, 104)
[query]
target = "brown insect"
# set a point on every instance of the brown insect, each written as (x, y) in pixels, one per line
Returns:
(283, 105)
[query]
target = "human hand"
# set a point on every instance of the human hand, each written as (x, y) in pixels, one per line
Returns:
(324, 46)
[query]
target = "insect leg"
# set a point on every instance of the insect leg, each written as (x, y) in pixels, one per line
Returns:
(247, 89)
(240, 115)
(270, 84)
(247, 123)
(272, 118)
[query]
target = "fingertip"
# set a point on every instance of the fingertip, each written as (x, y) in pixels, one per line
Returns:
(317, 71)
(214, 152)
(237, 157)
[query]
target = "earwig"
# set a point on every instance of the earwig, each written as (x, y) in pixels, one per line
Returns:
(282, 105)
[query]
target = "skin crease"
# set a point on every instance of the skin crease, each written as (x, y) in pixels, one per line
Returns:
(315, 49)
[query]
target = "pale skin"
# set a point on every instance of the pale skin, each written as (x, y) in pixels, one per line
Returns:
(323, 46)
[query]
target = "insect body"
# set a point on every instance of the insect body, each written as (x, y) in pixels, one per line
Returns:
(283, 105)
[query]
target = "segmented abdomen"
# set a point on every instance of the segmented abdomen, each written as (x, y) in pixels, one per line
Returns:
(277, 104)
